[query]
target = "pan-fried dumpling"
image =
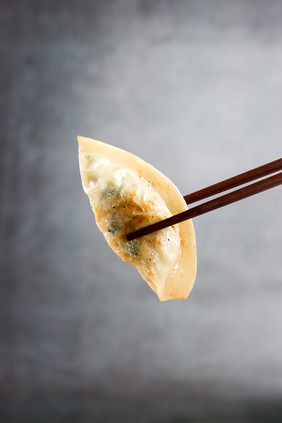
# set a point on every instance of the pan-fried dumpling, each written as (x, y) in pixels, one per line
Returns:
(125, 194)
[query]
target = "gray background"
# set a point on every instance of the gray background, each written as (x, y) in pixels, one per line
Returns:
(194, 88)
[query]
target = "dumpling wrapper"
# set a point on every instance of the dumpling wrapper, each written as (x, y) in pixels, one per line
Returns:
(125, 194)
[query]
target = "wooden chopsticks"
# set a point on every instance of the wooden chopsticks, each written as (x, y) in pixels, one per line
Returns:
(227, 184)
(230, 183)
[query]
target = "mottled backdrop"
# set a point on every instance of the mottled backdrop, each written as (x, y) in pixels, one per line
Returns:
(195, 88)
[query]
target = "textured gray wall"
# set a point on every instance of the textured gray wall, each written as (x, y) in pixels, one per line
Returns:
(195, 88)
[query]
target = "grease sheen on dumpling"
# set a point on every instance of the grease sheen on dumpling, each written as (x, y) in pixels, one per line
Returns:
(127, 193)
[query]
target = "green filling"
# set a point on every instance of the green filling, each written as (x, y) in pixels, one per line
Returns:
(132, 248)
(90, 159)
(114, 228)
(112, 191)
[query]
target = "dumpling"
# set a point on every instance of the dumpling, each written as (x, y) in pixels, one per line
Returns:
(125, 194)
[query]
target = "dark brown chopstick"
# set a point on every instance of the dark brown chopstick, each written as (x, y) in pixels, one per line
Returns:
(230, 183)
(218, 202)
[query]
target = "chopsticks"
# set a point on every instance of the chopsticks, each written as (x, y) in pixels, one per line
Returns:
(227, 184)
